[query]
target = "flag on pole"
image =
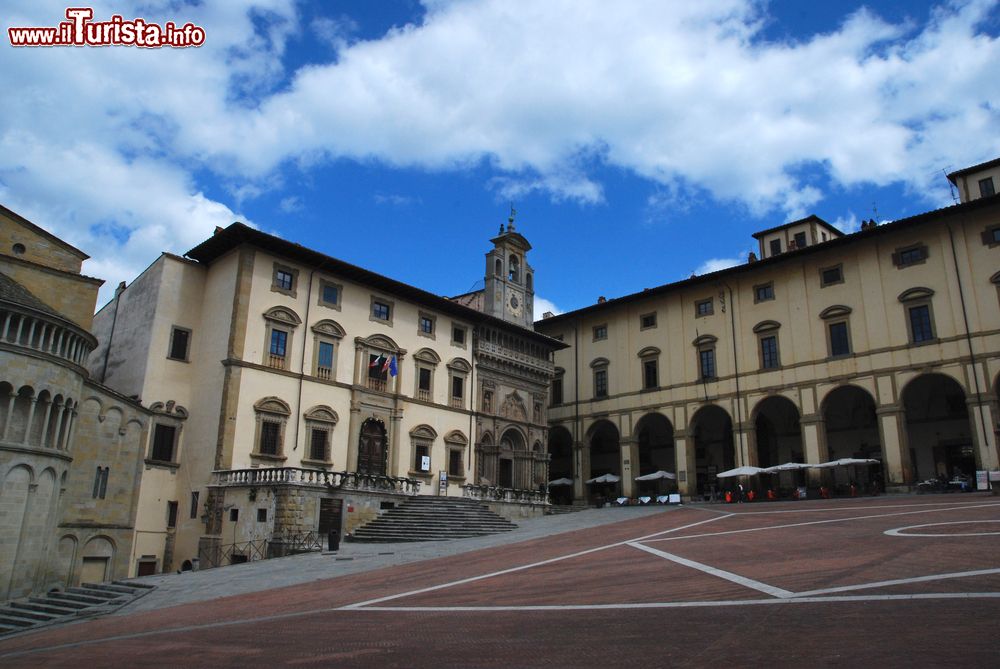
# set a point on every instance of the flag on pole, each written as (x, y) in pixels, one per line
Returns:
(385, 365)
(374, 363)
(392, 366)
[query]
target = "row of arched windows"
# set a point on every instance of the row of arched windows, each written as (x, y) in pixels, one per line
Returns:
(35, 419)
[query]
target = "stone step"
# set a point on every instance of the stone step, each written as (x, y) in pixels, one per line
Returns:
(55, 599)
(95, 593)
(133, 585)
(427, 518)
(74, 597)
(54, 611)
(15, 620)
(112, 587)
(27, 613)
(57, 606)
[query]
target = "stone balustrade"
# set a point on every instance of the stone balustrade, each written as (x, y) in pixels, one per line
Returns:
(492, 493)
(275, 476)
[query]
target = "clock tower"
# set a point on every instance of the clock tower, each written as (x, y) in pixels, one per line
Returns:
(510, 280)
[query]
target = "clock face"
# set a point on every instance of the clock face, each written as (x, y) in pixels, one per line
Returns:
(514, 304)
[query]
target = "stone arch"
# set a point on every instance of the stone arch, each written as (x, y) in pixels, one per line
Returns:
(939, 429)
(284, 315)
(322, 413)
(711, 430)
(427, 355)
(512, 444)
(272, 404)
(459, 364)
(17, 431)
(424, 432)
(381, 342)
(851, 424)
(560, 449)
(654, 434)
(330, 328)
(778, 431)
(456, 437)
(97, 557)
(66, 558)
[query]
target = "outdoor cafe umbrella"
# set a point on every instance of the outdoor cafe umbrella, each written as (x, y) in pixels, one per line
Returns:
(605, 478)
(745, 470)
(656, 476)
(563, 481)
(846, 462)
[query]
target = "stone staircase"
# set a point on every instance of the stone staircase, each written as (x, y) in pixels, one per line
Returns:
(560, 509)
(61, 606)
(426, 518)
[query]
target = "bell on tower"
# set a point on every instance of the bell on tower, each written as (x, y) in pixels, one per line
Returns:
(509, 278)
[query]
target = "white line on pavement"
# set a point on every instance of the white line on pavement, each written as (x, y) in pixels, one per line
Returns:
(720, 573)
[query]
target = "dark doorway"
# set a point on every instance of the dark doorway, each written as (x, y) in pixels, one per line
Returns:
(560, 464)
(372, 450)
(712, 429)
(330, 516)
(938, 429)
(506, 473)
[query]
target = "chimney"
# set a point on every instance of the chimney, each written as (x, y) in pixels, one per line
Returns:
(547, 314)
(752, 257)
(217, 230)
(601, 299)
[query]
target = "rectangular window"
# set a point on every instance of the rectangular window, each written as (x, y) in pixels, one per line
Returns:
(839, 342)
(800, 240)
(557, 391)
(600, 383)
(179, 338)
(329, 293)
(920, 323)
(318, 439)
(706, 363)
(283, 279)
(380, 310)
(234, 515)
(171, 514)
(600, 332)
(421, 464)
(649, 374)
(324, 360)
(424, 380)
(769, 352)
(775, 247)
(703, 307)
(279, 340)
(647, 321)
(261, 515)
(457, 387)
(455, 463)
(986, 187)
(163, 442)
(911, 255)
(831, 275)
(194, 504)
(376, 367)
(763, 292)
(458, 335)
(426, 325)
(270, 437)
(101, 482)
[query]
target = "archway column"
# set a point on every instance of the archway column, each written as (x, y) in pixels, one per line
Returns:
(395, 422)
(629, 465)
(686, 464)
(981, 413)
(745, 444)
(895, 445)
(814, 445)
(581, 457)
(353, 436)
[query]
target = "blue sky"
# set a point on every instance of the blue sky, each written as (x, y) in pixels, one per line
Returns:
(640, 141)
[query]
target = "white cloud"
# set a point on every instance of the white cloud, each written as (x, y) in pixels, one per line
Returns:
(542, 305)
(290, 204)
(716, 264)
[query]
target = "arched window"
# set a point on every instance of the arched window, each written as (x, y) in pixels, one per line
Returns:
(272, 414)
(515, 269)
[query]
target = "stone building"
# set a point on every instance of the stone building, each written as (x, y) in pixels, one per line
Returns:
(70, 449)
(293, 393)
(882, 344)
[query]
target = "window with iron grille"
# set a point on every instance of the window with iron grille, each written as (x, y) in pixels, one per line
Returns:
(319, 440)
(455, 467)
(270, 437)
(600, 383)
(179, 338)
